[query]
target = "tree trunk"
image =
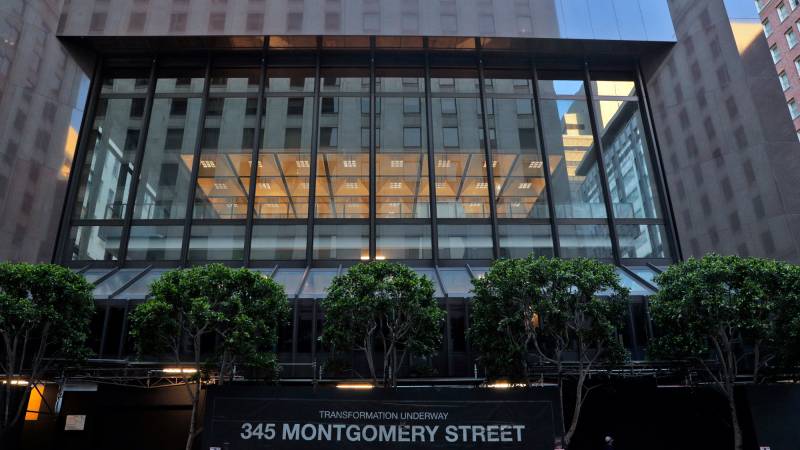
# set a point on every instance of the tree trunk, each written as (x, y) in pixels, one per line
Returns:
(577, 412)
(737, 430)
(193, 419)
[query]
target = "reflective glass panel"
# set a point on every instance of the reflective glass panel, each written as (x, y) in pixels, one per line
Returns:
(400, 80)
(456, 281)
(155, 243)
(140, 289)
(462, 188)
(281, 242)
(234, 80)
(94, 243)
(126, 81)
(344, 80)
(517, 161)
(643, 241)
(216, 243)
(105, 179)
(627, 159)
(290, 80)
(167, 165)
(115, 282)
(519, 241)
(402, 159)
(577, 190)
(341, 241)
(454, 80)
(589, 241)
(511, 82)
(465, 241)
(290, 279)
(317, 282)
(549, 87)
(178, 81)
(403, 242)
(284, 162)
(342, 189)
(227, 145)
(614, 88)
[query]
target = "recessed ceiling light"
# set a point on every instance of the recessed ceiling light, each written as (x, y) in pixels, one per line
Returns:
(494, 164)
(220, 186)
(535, 165)
(443, 163)
(265, 185)
(481, 185)
(350, 163)
(524, 186)
(351, 185)
(208, 164)
(302, 163)
(397, 163)
(395, 185)
(259, 163)
(440, 184)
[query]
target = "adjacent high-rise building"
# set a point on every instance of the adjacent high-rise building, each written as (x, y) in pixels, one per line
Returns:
(781, 22)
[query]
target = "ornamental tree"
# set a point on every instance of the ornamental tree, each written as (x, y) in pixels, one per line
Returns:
(383, 306)
(45, 311)
(723, 313)
(552, 306)
(241, 309)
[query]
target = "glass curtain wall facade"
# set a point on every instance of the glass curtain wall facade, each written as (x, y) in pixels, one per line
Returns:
(433, 154)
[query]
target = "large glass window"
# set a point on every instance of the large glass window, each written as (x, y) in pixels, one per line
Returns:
(409, 123)
(223, 180)
(402, 159)
(107, 172)
(168, 156)
(574, 171)
(342, 190)
(462, 187)
(284, 162)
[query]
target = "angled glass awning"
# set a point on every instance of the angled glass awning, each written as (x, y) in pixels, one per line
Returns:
(311, 283)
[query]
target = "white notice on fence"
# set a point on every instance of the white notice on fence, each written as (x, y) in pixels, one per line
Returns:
(75, 422)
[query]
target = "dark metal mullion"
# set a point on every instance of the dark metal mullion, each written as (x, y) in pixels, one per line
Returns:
(431, 159)
(87, 129)
(102, 347)
(137, 164)
(464, 177)
(598, 149)
(312, 181)
(658, 168)
(373, 188)
(551, 207)
(251, 197)
(198, 149)
(488, 153)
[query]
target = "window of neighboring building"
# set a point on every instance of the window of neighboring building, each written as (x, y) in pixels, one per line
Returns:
(776, 54)
(783, 12)
(793, 109)
(793, 4)
(767, 27)
(760, 4)
(784, 81)
(798, 135)
(791, 37)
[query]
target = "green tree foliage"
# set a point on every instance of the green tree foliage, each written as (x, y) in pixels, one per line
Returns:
(552, 306)
(45, 311)
(240, 308)
(383, 305)
(724, 313)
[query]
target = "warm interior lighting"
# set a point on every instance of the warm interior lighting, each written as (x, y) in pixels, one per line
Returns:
(350, 163)
(259, 163)
(440, 184)
(380, 258)
(397, 163)
(265, 186)
(34, 403)
(364, 257)
(481, 185)
(179, 370)
(504, 385)
(524, 186)
(208, 164)
(395, 185)
(220, 186)
(363, 386)
(17, 382)
(302, 163)
(443, 163)
(494, 164)
(535, 165)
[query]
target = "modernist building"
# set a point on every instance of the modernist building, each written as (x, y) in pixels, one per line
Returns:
(298, 137)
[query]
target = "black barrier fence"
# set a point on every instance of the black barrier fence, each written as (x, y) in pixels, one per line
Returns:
(248, 418)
